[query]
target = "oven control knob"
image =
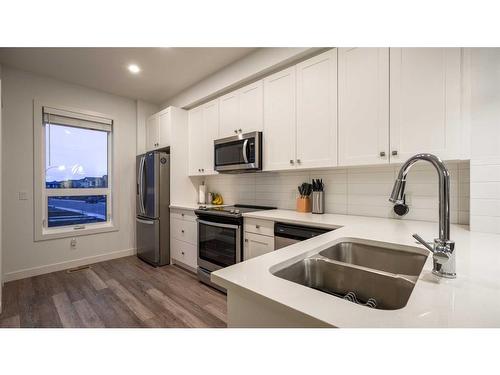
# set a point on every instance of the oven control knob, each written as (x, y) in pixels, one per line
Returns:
(231, 211)
(236, 211)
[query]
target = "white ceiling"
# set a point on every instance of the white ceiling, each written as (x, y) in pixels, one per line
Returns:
(165, 71)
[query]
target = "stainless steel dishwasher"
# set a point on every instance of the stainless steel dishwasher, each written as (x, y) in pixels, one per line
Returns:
(288, 234)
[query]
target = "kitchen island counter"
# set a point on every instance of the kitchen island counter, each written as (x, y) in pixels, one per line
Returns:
(257, 298)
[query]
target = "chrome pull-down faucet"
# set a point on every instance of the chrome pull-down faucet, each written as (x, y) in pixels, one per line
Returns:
(443, 249)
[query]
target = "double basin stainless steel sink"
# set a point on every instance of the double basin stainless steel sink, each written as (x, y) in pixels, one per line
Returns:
(367, 273)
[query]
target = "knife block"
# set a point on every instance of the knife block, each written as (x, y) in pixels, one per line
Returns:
(303, 204)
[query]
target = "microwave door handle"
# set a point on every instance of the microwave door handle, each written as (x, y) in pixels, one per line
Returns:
(245, 151)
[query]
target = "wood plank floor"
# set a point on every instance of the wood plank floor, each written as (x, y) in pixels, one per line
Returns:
(124, 292)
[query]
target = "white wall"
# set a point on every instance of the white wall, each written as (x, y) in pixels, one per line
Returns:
(485, 141)
(360, 191)
(23, 256)
(250, 67)
(144, 110)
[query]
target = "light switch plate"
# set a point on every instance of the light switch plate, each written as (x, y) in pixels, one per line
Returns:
(23, 196)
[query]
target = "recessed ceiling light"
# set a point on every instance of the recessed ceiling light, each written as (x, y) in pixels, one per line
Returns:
(133, 68)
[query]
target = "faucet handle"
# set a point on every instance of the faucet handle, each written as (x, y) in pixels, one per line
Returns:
(423, 242)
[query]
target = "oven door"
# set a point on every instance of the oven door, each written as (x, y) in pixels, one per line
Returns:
(238, 153)
(219, 245)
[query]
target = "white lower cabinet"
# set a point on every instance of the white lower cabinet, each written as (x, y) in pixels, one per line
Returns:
(184, 253)
(256, 245)
(183, 238)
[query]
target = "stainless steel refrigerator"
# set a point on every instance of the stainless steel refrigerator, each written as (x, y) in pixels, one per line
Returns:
(152, 208)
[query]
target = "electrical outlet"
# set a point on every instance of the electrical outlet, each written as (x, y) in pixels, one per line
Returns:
(73, 243)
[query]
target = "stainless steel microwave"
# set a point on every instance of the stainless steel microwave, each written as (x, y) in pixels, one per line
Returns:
(238, 154)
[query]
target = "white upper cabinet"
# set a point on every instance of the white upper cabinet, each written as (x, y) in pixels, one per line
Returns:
(195, 141)
(158, 128)
(229, 114)
(363, 127)
(211, 133)
(425, 102)
(316, 140)
(152, 132)
(279, 120)
(251, 107)
(203, 125)
(165, 127)
(241, 111)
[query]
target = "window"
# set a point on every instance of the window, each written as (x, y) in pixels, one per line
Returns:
(74, 174)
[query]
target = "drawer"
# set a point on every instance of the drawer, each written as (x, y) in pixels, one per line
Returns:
(258, 226)
(256, 245)
(184, 252)
(183, 230)
(187, 215)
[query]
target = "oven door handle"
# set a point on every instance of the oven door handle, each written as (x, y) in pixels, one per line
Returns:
(219, 225)
(245, 151)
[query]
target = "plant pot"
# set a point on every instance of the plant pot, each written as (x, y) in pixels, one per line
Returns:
(303, 204)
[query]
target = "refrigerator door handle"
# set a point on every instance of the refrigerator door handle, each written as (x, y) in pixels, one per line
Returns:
(141, 185)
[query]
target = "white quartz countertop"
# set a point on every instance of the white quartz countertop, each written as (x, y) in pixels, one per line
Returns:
(470, 300)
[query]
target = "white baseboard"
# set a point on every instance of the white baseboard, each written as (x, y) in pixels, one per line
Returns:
(35, 271)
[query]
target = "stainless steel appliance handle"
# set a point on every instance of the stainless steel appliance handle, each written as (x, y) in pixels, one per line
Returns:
(148, 222)
(219, 225)
(245, 151)
(141, 184)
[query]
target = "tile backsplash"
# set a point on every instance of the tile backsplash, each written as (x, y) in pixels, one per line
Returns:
(353, 191)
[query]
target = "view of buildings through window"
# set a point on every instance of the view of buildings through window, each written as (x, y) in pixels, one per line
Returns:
(75, 158)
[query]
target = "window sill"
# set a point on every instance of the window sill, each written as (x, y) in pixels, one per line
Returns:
(67, 232)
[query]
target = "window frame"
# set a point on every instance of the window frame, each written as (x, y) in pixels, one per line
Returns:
(41, 193)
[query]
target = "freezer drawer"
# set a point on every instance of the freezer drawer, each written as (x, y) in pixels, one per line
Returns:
(148, 240)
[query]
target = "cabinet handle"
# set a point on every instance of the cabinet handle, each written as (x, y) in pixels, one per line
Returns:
(182, 215)
(203, 169)
(182, 252)
(394, 153)
(235, 131)
(182, 230)
(291, 161)
(382, 154)
(257, 226)
(246, 239)
(298, 161)
(239, 130)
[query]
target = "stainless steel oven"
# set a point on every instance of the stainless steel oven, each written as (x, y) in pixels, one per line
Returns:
(220, 238)
(241, 153)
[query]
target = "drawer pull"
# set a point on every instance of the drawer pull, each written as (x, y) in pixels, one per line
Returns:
(182, 230)
(257, 226)
(182, 252)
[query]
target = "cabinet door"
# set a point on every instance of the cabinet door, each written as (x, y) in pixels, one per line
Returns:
(279, 120)
(164, 124)
(152, 132)
(363, 106)
(251, 107)
(256, 245)
(228, 114)
(210, 133)
(317, 111)
(425, 102)
(195, 141)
